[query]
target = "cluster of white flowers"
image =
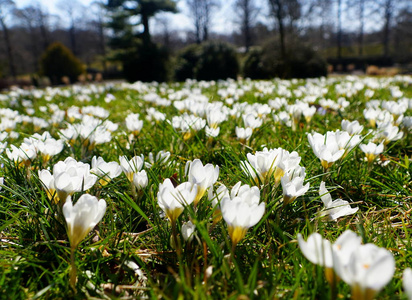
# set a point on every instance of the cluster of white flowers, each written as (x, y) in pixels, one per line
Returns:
(367, 268)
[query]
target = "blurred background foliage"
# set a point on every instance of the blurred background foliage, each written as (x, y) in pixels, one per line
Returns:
(137, 40)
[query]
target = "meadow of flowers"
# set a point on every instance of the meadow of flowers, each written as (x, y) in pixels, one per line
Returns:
(208, 190)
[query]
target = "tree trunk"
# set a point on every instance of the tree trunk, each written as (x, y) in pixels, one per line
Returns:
(34, 50)
(277, 9)
(246, 25)
(339, 34)
(386, 28)
(146, 32)
(205, 32)
(362, 25)
(43, 31)
(9, 49)
(102, 43)
(73, 38)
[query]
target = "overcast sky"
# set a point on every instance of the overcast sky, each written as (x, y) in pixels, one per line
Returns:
(223, 20)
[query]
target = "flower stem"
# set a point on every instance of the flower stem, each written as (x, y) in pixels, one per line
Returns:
(73, 270)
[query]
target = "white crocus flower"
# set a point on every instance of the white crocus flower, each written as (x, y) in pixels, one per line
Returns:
(172, 200)
(326, 148)
(293, 188)
(203, 176)
(351, 127)
(320, 251)
(242, 210)
(368, 269)
(371, 150)
(262, 165)
(407, 282)
(161, 158)
(346, 141)
(132, 166)
(48, 182)
(317, 250)
(22, 155)
(106, 171)
(387, 132)
(336, 208)
(140, 179)
(251, 121)
(82, 217)
(133, 123)
(72, 176)
(188, 229)
(243, 134)
(49, 148)
(212, 132)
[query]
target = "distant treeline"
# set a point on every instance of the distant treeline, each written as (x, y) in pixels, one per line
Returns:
(286, 38)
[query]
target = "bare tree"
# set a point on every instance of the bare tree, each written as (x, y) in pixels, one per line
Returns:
(247, 12)
(201, 12)
(164, 23)
(43, 23)
(363, 12)
(6, 9)
(32, 18)
(99, 22)
(339, 33)
(403, 35)
(388, 10)
(286, 12)
(74, 11)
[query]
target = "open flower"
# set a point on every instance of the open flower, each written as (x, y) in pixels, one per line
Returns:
(71, 176)
(368, 269)
(82, 217)
(140, 179)
(351, 127)
(320, 251)
(172, 200)
(133, 123)
(188, 229)
(407, 282)
(242, 210)
(22, 155)
(130, 167)
(371, 150)
(48, 183)
(243, 134)
(203, 176)
(293, 188)
(336, 208)
(326, 148)
(106, 171)
(262, 165)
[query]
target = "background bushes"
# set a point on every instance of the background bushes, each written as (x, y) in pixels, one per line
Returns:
(300, 61)
(253, 67)
(186, 62)
(147, 62)
(58, 62)
(207, 61)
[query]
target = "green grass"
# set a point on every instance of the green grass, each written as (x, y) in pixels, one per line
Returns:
(266, 264)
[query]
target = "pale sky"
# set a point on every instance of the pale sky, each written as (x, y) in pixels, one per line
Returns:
(223, 20)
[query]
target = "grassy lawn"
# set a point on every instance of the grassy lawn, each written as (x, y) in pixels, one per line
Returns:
(161, 233)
